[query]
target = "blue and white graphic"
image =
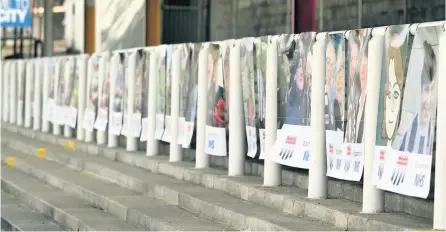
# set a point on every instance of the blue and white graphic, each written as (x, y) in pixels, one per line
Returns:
(15, 13)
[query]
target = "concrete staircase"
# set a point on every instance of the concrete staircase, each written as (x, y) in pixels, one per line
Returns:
(151, 193)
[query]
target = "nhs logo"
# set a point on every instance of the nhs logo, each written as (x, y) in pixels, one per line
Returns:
(15, 13)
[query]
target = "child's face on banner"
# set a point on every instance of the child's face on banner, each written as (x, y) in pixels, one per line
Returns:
(363, 72)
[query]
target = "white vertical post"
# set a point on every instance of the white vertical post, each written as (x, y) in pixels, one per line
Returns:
(132, 142)
(20, 89)
(176, 151)
(37, 105)
(45, 93)
(89, 135)
(317, 178)
(272, 173)
(13, 92)
(69, 64)
(6, 90)
(374, 196)
(202, 159)
(29, 65)
(81, 95)
(440, 159)
(56, 78)
(237, 132)
(102, 135)
(152, 143)
(112, 139)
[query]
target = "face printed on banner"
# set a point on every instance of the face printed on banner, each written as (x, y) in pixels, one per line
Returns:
(427, 85)
(210, 70)
(354, 50)
(227, 80)
(392, 99)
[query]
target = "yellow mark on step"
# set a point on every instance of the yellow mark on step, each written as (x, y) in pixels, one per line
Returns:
(70, 145)
(41, 153)
(10, 161)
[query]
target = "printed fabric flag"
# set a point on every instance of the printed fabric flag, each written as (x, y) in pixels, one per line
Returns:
(248, 92)
(357, 61)
(190, 100)
(292, 145)
(161, 91)
(58, 115)
(51, 71)
(335, 104)
(168, 94)
(124, 61)
(410, 131)
(92, 93)
(135, 121)
(117, 92)
(261, 46)
(185, 55)
(217, 99)
(71, 90)
(145, 97)
(104, 92)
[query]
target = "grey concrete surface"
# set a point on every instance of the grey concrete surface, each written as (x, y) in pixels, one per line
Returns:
(17, 216)
(340, 213)
(148, 213)
(394, 203)
(68, 211)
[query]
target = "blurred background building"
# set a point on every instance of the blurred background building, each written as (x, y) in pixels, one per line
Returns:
(99, 25)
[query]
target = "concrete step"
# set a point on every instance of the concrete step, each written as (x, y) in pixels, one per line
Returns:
(208, 203)
(291, 201)
(64, 208)
(125, 205)
(17, 216)
(293, 177)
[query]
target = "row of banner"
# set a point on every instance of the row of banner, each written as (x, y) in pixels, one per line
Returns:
(406, 113)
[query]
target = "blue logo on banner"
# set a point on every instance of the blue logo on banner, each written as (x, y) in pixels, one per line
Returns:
(15, 13)
(211, 144)
(307, 155)
(338, 164)
(356, 169)
(419, 180)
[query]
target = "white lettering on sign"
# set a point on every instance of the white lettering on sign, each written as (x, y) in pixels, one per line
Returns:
(13, 13)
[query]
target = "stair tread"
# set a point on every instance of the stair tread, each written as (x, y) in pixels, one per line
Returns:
(23, 218)
(210, 195)
(162, 211)
(92, 218)
(290, 193)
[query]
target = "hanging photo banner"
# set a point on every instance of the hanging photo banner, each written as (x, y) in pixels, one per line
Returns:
(391, 93)
(261, 46)
(50, 64)
(190, 100)
(125, 95)
(248, 92)
(145, 97)
(216, 124)
(168, 94)
(357, 61)
(292, 146)
(58, 115)
(21, 69)
(92, 93)
(30, 83)
(161, 91)
(185, 55)
(116, 106)
(73, 91)
(104, 92)
(408, 165)
(135, 120)
(335, 104)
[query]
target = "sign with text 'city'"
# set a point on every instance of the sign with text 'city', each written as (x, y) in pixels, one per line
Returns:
(15, 13)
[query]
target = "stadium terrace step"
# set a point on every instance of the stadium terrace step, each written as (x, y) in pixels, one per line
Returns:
(125, 205)
(339, 189)
(64, 208)
(285, 202)
(17, 216)
(208, 203)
